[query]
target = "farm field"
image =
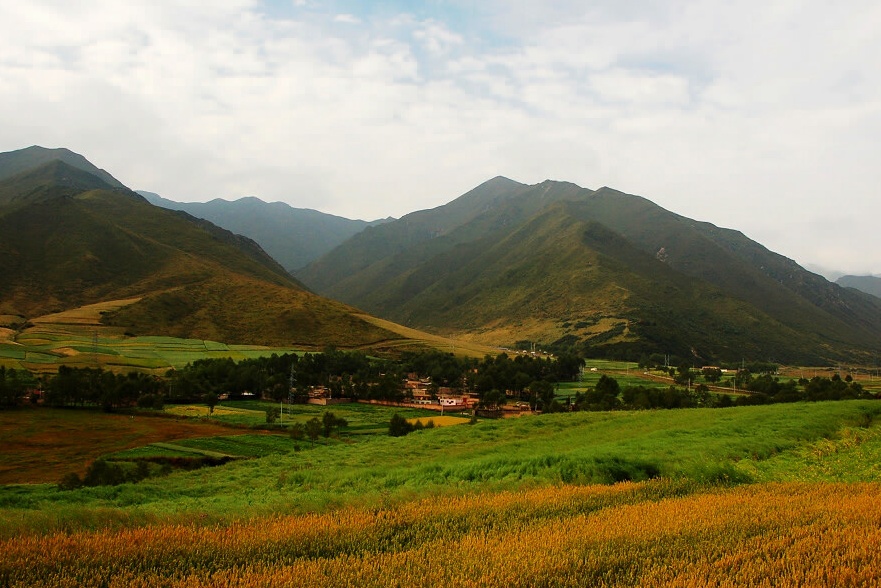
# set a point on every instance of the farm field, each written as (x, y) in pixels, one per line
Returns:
(630, 534)
(41, 445)
(785, 494)
(43, 351)
(78, 338)
(362, 418)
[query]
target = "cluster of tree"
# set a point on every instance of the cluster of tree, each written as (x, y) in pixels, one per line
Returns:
(98, 387)
(764, 389)
(14, 385)
(354, 375)
(105, 473)
(604, 397)
(399, 426)
(314, 428)
(492, 373)
(344, 374)
(290, 377)
(770, 389)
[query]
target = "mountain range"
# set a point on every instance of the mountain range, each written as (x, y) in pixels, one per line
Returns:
(71, 235)
(599, 270)
(292, 236)
(868, 284)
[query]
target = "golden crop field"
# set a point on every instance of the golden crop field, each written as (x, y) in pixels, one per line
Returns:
(440, 420)
(623, 535)
(201, 410)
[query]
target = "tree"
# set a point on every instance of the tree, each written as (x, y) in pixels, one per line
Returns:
(492, 399)
(604, 395)
(712, 374)
(399, 426)
(683, 376)
(298, 432)
(313, 430)
(608, 386)
(211, 401)
(569, 365)
(330, 421)
(542, 393)
(272, 414)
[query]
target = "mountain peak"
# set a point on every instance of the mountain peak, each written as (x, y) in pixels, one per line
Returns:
(47, 181)
(13, 163)
(500, 181)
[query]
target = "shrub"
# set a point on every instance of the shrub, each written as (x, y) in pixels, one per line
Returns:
(399, 426)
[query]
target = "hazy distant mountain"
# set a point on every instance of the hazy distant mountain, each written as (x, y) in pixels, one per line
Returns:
(68, 238)
(292, 236)
(601, 270)
(868, 284)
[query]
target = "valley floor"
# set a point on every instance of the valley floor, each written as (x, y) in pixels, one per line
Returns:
(782, 495)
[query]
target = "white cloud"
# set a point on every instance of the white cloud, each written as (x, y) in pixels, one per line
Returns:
(347, 19)
(763, 117)
(436, 38)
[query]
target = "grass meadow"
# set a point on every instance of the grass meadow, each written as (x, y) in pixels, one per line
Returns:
(778, 494)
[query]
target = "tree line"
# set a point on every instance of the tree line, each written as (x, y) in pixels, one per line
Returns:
(762, 389)
(349, 374)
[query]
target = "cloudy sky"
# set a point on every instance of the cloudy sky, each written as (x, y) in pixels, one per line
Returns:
(764, 116)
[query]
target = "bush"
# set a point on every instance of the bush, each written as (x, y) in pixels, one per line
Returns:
(70, 482)
(399, 426)
(104, 473)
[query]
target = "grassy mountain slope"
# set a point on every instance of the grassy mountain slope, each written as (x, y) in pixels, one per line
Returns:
(555, 262)
(360, 267)
(62, 248)
(741, 267)
(292, 236)
(51, 180)
(377, 246)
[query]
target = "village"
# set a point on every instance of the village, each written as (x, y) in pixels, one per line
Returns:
(421, 392)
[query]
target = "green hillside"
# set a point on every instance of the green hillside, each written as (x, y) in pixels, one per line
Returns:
(606, 271)
(413, 236)
(68, 239)
(51, 180)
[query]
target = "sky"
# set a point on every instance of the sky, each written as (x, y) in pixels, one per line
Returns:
(762, 116)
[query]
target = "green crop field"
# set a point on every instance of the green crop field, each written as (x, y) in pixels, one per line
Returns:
(45, 351)
(78, 338)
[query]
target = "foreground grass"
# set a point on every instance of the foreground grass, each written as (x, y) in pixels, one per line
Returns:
(654, 533)
(702, 446)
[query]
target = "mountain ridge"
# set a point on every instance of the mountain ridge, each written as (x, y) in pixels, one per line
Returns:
(292, 236)
(740, 290)
(868, 284)
(15, 162)
(71, 239)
